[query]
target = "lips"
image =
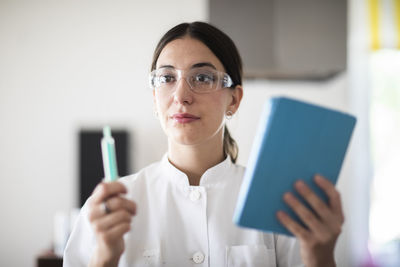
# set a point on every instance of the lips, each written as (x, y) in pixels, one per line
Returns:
(184, 117)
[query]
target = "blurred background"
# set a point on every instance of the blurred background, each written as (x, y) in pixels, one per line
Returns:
(67, 68)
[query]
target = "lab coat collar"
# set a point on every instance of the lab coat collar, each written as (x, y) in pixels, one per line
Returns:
(216, 175)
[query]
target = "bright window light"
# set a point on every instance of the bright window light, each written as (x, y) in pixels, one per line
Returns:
(385, 142)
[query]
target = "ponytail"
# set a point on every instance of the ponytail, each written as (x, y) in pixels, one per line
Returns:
(230, 146)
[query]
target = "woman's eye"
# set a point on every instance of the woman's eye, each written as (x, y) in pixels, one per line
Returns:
(204, 78)
(166, 78)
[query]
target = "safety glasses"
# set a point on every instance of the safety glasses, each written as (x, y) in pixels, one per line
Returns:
(200, 80)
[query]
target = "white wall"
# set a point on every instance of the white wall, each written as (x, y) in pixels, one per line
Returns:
(71, 64)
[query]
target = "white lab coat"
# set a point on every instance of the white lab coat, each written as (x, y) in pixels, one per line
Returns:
(182, 225)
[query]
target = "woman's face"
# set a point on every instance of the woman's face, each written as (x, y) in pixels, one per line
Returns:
(187, 117)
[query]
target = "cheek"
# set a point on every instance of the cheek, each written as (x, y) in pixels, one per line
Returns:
(218, 106)
(161, 106)
(216, 112)
(161, 103)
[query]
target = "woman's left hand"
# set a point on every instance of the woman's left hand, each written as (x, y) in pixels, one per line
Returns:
(317, 243)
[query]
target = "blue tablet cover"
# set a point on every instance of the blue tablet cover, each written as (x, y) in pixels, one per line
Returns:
(295, 140)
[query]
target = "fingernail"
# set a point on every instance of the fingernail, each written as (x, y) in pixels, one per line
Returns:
(287, 196)
(318, 177)
(300, 184)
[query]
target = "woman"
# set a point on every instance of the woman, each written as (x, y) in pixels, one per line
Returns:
(178, 212)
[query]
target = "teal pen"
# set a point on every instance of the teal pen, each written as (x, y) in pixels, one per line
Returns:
(108, 153)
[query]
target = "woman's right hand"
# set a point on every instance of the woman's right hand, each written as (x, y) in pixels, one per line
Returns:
(110, 216)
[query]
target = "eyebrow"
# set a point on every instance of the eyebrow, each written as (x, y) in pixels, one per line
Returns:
(203, 64)
(167, 67)
(197, 65)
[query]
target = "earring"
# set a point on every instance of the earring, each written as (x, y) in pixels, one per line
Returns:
(229, 115)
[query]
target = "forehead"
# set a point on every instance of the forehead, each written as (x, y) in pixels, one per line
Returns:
(186, 52)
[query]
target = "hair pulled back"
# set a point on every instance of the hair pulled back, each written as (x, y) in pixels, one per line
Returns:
(223, 48)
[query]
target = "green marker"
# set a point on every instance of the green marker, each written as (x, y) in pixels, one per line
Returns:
(109, 158)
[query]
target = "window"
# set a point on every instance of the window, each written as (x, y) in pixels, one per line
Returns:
(385, 143)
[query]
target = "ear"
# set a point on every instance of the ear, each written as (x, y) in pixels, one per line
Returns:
(237, 95)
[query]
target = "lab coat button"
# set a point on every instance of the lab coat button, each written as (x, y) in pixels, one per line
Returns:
(149, 253)
(195, 195)
(198, 257)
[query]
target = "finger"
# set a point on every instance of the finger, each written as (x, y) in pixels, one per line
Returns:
(116, 232)
(113, 204)
(96, 211)
(326, 214)
(105, 223)
(293, 227)
(316, 203)
(333, 194)
(305, 214)
(121, 203)
(106, 190)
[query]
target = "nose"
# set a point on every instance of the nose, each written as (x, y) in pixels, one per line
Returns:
(183, 94)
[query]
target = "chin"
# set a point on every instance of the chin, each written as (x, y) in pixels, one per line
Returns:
(185, 140)
(185, 137)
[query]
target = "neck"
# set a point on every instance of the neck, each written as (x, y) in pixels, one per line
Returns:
(195, 160)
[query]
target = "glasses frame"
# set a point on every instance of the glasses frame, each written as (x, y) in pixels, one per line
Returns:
(224, 80)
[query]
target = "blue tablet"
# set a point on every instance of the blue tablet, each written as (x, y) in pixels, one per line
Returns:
(295, 140)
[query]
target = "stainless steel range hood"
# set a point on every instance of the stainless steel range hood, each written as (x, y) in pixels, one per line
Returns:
(286, 39)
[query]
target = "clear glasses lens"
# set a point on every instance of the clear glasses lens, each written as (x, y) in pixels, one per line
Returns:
(200, 80)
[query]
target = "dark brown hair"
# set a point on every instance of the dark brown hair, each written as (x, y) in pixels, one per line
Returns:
(223, 48)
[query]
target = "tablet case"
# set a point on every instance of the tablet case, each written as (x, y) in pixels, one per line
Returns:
(295, 140)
